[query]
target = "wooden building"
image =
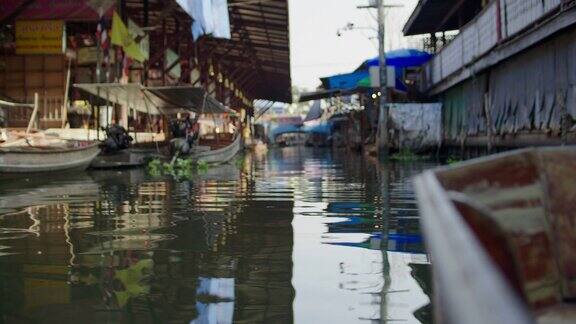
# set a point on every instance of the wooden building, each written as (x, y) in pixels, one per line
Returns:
(253, 64)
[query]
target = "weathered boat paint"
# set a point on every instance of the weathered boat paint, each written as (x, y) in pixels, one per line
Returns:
(23, 159)
(506, 223)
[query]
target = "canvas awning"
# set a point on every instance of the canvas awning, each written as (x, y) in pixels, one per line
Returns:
(187, 97)
(156, 100)
(129, 95)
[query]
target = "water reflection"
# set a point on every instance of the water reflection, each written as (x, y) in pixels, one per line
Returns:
(296, 235)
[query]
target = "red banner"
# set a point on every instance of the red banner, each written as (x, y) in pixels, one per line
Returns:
(69, 10)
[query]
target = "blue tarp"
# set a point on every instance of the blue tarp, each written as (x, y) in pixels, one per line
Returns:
(344, 81)
(401, 58)
(279, 129)
(324, 128)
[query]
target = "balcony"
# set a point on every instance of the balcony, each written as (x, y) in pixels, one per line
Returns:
(498, 22)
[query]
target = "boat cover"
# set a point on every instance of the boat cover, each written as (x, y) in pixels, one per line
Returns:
(156, 100)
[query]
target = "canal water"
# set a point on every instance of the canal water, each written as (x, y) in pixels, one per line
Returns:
(294, 235)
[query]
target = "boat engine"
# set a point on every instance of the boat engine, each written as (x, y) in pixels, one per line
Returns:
(185, 134)
(117, 139)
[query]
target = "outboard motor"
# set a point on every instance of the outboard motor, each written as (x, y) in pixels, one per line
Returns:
(117, 139)
(185, 133)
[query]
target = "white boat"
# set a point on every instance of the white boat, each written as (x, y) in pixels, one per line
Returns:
(28, 158)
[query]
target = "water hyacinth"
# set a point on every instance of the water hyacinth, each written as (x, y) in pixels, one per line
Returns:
(180, 169)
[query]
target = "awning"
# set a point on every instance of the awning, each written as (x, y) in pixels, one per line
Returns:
(325, 94)
(156, 100)
(400, 58)
(168, 99)
(431, 16)
(129, 95)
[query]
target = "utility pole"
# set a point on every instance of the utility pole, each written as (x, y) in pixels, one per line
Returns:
(382, 135)
(382, 141)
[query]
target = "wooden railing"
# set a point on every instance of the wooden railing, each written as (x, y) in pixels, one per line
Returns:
(49, 112)
(499, 21)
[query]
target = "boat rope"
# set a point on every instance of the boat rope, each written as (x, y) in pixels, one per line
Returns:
(146, 99)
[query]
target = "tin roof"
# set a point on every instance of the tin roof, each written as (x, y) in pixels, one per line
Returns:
(431, 16)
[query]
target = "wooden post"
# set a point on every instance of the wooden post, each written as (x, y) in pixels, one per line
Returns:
(564, 117)
(34, 112)
(64, 114)
(488, 120)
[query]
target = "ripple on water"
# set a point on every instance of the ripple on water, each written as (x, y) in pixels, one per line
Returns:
(298, 235)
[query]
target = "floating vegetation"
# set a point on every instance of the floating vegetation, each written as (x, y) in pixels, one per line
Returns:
(453, 160)
(239, 162)
(181, 169)
(155, 168)
(202, 166)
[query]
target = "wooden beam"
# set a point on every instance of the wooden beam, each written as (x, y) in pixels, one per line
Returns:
(16, 12)
(450, 13)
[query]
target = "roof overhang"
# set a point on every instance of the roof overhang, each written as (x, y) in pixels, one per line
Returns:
(155, 100)
(259, 48)
(431, 16)
(325, 94)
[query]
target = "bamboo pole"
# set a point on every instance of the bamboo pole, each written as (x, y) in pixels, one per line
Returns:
(64, 113)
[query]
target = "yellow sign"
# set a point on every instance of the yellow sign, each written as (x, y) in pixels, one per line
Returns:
(39, 36)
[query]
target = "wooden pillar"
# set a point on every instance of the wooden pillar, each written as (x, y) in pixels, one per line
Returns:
(145, 66)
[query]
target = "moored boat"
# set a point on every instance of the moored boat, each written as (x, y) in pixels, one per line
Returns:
(28, 157)
(219, 155)
(501, 233)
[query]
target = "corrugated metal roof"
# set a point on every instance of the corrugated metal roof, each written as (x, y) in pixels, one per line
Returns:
(432, 16)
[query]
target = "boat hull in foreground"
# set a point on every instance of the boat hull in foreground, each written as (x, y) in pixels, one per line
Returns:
(501, 233)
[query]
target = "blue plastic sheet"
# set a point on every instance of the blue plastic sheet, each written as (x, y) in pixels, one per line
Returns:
(401, 58)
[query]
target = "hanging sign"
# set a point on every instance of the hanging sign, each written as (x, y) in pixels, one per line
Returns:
(39, 37)
(89, 55)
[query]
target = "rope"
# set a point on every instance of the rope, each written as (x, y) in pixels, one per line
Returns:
(146, 98)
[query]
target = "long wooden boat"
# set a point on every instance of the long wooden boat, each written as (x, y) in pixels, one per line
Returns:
(214, 155)
(219, 155)
(502, 236)
(31, 158)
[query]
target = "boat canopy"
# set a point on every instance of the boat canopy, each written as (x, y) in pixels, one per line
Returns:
(156, 100)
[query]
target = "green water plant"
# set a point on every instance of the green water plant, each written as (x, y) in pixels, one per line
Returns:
(155, 168)
(202, 166)
(453, 160)
(239, 162)
(180, 168)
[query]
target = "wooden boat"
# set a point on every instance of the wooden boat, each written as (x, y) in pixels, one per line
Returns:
(67, 155)
(502, 235)
(217, 153)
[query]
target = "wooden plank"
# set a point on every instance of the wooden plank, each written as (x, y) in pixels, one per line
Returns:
(559, 175)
